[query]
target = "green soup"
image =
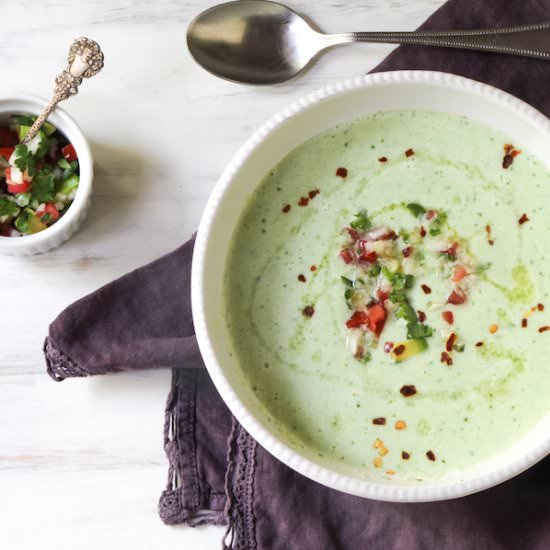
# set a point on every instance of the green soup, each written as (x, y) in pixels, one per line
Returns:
(385, 293)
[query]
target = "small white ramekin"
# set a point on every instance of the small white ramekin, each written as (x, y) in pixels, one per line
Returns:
(61, 230)
(264, 149)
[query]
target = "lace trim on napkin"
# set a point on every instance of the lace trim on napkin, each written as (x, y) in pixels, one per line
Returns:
(182, 501)
(60, 365)
(239, 488)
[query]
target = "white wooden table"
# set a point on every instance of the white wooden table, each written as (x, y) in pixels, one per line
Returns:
(81, 463)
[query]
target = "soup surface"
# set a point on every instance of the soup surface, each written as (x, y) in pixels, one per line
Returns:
(385, 295)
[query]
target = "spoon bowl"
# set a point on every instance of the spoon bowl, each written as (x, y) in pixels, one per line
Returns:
(254, 42)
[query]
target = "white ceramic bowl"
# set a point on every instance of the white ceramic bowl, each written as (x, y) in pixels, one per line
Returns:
(273, 141)
(61, 230)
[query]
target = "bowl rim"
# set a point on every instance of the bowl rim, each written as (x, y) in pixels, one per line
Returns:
(72, 132)
(301, 464)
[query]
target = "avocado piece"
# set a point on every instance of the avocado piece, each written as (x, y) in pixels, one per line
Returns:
(408, 348)
(27, 222)
(48, 128)
(69, 185)
(22, 131)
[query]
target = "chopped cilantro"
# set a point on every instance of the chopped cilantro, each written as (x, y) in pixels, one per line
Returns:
(8, 207)
(43, 187)
(418, 330)
(46, 218)
(23, 120)
(405, 235)
(69, 168)
(374, 270)
(361, 221)
(346, 281)
(397, 296)
(406, 312)
(416, 209)
(24, 159)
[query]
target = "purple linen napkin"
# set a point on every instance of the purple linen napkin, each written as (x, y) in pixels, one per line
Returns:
(218, 474)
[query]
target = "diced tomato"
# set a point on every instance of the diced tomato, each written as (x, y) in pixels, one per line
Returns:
(357, 319)
(376, 318)
(448, 316)
(456, 297)
(353, 233)
(69, 153)
(459, 273)
(6, 152)
(7, 137)
(387, 236)
(45, 210)
(346, 255)
(382, 295)
(368, 256)
(16, 187)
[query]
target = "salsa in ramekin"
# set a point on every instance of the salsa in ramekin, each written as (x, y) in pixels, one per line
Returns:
(38, 180)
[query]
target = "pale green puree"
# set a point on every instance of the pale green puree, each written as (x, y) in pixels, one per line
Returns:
(336, 393)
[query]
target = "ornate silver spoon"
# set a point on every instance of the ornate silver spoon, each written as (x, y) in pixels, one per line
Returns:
(85, 60)
(260, 42)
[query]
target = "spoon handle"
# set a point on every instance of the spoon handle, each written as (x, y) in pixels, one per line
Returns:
(525, 40)
(85, 60)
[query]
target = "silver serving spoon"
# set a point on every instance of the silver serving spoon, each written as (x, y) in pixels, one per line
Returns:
(260, 42)
(84, 61)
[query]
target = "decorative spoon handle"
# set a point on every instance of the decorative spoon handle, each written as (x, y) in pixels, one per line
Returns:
(85, 60)
(526, 40)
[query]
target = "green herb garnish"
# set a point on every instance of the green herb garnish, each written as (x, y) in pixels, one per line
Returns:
(24, 159)
(374, 270)
(361, 221)
(416, 209)
(406, 312)
(43, 186)
(8, 207)
(418, 330)
(346, 281)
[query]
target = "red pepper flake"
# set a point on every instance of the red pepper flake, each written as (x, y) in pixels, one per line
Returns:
(524, 323)
(426, 289)
(313, 193)
(523, 219)
(450, 342)
(479, 344)
(409, 152)
(308, 311)
(540, 307)
(286, 208)
(451, 251)
(446, 358)
(313, 268)
(357, 319)
(380, 421)
(302, 278)
(544, 328)
(304, 201)
(407, 390)
(383, 159)
(407, 251)
(405, 455)
(421, 316)
(490, 240)
(431, 456)
(399, 349)
(448, 316)
(388, 346)
(342, 172)
(422, 231)
(510, 153)
(456, 297)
